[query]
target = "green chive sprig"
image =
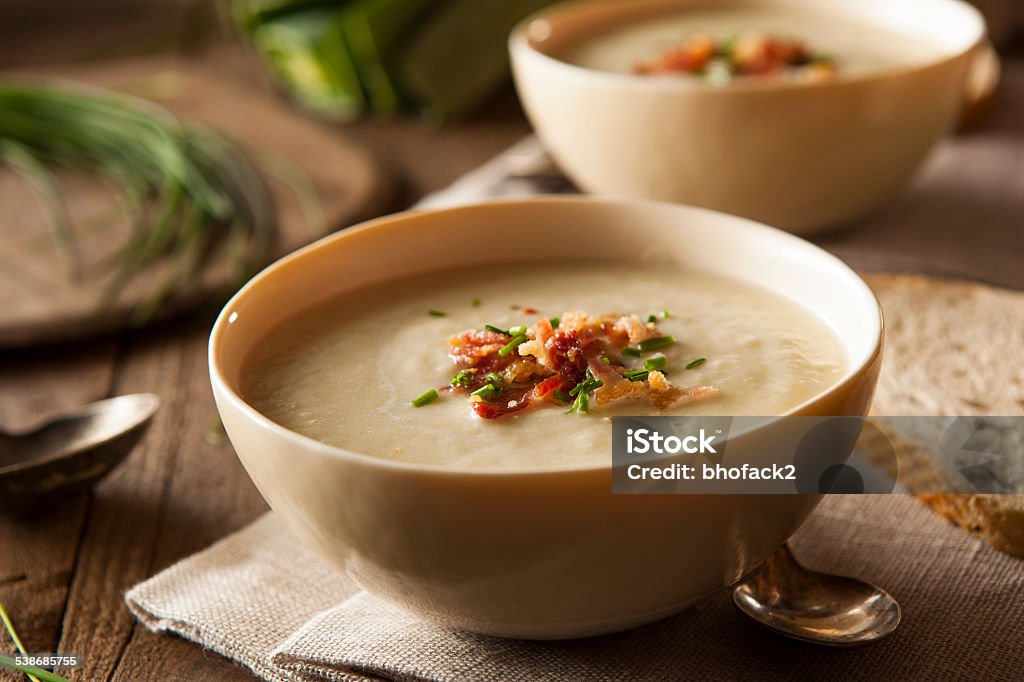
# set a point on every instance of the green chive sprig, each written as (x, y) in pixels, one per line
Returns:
(696, 363)
(34, 674)
(487, 391)
(657, 343)
(186, 189)
(658, 362)
(437, 313)
(511, 345)
(427, 398)
(463, 378)
(636, 374)
(581, 403)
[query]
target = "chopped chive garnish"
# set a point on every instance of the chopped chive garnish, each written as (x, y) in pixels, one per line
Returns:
(587, 385)
(493, 378)
(463, 378)
(511, 345)
(606, 360)
(636, 374)
(476, 302)
(581, 405)
(657, 362)
(428, 397)
(517, 331)
(631, 352)
(562, 396)
(555, 321)
(665, 314)
(696, 363)
(496, 330)
(652, 318)
(487, 391)
(657, 343)
(437, 313)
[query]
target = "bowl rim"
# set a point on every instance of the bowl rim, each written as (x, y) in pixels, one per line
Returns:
(223, 389)
(520, 47)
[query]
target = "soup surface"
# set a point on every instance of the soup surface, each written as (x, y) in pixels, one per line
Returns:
(844, 44)
(346, 372)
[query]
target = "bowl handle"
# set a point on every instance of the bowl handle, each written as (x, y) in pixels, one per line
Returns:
(980, 86)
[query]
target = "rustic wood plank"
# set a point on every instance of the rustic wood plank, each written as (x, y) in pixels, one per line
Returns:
(37, 552)
(209, 495)
(120, 535)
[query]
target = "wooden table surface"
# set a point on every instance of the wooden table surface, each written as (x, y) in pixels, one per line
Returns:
(64, 572)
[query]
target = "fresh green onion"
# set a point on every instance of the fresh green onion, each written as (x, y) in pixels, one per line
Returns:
(487, 391)
(511, 345)
(428, 397)
(606, 360)
(657, 343)
(696, 363)
(517, 331)
(188, 190)
(493, 378)
(437, 313)
(463, 378)
(496, 330)
(631, 352)
(562, 396)
(17, 643)
(34, 674)
(476, 303)
(651, 318)
(581, 405)
(587, 385)
(636, 374)
(654, 363)
(555, 321)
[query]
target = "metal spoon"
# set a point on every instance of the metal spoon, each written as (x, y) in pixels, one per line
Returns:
(72, 451)
(816, 607)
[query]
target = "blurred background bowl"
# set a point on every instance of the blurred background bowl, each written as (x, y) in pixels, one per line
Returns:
(801, 156)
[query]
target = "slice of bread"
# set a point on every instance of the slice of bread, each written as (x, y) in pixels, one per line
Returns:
(997, 519)
(953, 349)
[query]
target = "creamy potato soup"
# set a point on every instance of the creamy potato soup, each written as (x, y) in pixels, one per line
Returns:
(521, 366)
(720, 44)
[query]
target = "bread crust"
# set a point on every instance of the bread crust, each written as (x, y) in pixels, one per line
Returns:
(953, 348)
(996, 519)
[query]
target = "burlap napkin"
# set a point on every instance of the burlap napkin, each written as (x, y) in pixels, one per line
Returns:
(263, 599)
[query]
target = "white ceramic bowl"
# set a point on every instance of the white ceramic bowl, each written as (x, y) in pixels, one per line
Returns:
(536, 554)
(800, 156)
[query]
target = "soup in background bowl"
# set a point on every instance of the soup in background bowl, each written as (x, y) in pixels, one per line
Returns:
(801, 114)
(502, 521)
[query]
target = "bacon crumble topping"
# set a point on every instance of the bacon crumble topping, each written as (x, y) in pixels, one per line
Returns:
(749, 54)
(563, 363)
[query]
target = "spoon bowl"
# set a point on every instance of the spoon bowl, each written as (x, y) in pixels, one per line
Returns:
(73, 451)
(816, 607)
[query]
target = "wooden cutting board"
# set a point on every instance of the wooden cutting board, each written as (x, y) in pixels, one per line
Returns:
(39, 299)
